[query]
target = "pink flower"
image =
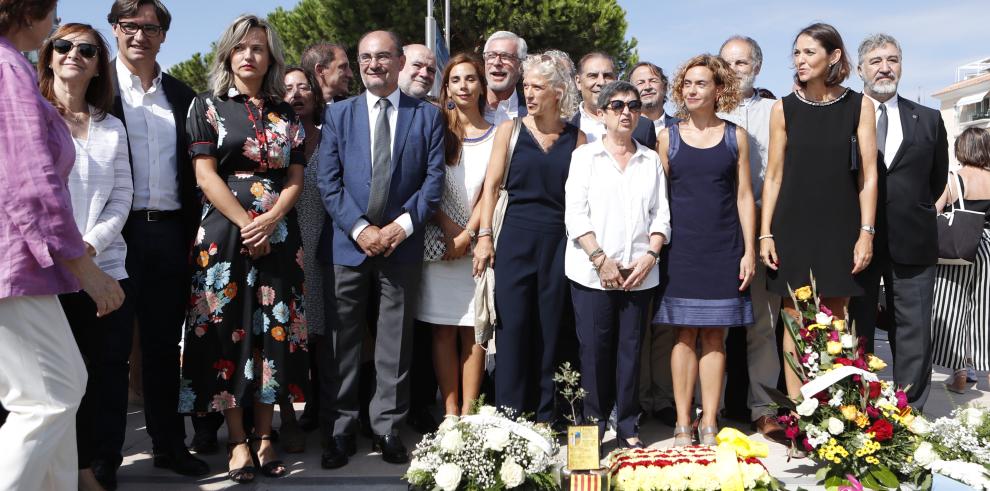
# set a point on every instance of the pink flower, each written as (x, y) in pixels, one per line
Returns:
(825, 310)
(200, 330)
(854, 485)
(872, 412)
(902, 401)
(807, 445)
(266, 295)
(833, 335)
(212, 301)
(792, 432)
(237, 335)
(859, 363)
(222, 401)
(299, 257)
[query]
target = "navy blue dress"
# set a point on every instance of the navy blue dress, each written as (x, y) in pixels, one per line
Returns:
(531, 292)
(699, 275)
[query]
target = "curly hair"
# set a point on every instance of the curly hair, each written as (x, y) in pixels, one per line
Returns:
(454, 134)
(99, 92)
(727, 95)
(554, 67)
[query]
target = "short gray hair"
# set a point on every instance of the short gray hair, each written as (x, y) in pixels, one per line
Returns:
(521, 48)
(558, 73)
(874, 41)
(753, 46)
(613, 88)
(222, 76)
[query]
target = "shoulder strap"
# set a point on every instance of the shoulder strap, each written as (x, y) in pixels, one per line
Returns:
(954, 177)
(675, 141)
(516, 122)
(730, 140)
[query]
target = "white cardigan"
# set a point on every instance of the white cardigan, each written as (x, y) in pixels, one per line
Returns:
(101, 189)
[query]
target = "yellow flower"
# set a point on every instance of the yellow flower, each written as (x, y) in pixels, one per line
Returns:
(204, 259)
(803, 293)
(816, 326)
(839, 324)
(908, 418)
(875, 363)
(834, 347)
(257, 189)
(849, 412)
(862, 420)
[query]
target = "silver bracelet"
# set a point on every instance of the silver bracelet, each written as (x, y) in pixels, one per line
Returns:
(767, 236)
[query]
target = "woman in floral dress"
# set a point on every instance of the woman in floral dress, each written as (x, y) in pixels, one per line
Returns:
(245, 339)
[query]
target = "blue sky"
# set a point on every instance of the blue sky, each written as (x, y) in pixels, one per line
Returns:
(936, 36)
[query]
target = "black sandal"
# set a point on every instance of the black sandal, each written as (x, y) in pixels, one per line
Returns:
(269, 468)
(243, 475)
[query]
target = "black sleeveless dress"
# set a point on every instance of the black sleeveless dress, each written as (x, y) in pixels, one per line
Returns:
(816, 220)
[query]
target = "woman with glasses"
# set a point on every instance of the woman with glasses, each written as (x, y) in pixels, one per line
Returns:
(530, 288)
(712, 255)
(245, 339)
(74, 74)
(42, 255)
(617, 218)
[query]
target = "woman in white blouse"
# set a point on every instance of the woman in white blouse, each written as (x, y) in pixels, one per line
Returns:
(617, 218)
(74, 74)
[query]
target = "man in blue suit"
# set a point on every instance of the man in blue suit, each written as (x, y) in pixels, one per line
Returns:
(381, 172)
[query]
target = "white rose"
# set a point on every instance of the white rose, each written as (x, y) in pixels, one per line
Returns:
(452, 441)
(920, 426)
(836, 426)
(448, 477)
(971, 416)
(925, 454)
(807, 406)
(848, 341)
(512, 474)
(487, 411)
(823, 319)
(448, 424)
(496, 439)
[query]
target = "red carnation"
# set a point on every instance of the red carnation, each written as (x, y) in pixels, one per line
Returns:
(882, 430)
(843, 361)
(874, 390)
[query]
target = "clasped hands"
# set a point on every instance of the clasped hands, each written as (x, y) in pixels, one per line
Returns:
(256, 234)
(374, 240)
(611, 277)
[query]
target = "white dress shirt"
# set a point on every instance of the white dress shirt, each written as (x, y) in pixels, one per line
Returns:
(101, 189)
(404, 220)
(151, 133)
(659, 124)
(592, 127)
(895, 134)
(621, 207)
(505, 110)
(753, 115)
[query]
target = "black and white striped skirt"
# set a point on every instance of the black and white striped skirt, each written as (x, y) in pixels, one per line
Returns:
(961, 317)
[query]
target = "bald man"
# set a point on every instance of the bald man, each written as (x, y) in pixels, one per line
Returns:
(416, 78)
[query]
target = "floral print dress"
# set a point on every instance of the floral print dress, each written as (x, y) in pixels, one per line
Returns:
(245, 338)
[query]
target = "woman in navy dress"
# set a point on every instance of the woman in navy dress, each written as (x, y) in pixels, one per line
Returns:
(531, 292)
(712, 256)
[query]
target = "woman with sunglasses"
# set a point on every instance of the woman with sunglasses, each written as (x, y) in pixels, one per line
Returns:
(618, 218)
(711, 259)
(74, 74)
(42, 254)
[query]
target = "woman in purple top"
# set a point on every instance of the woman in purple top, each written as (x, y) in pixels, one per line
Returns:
(42, 254)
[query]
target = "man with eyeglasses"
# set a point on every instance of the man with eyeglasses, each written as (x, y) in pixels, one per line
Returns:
(504, 53)
(594, 71)
(158, 233)
(381, 172)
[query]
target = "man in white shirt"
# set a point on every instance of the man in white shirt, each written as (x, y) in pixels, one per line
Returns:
(594, 71)
(159, 233)
(912, 165)
(417, 77)
(504, 53)
(328, 62)
(761, 361)
(651, 83)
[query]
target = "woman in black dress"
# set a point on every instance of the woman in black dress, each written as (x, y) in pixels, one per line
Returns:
(820, 193)
(245, 339)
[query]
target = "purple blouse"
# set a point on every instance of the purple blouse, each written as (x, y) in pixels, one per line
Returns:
(36, 155)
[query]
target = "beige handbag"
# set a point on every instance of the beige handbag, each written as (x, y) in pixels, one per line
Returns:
(484, 290)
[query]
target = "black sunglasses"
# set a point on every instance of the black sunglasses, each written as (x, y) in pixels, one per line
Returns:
(63, 47)
(618, 105)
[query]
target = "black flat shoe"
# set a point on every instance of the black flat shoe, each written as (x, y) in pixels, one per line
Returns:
(274, 468)
(181, 462)
(391, 447)
(242, 475)
(346, 444)
(335, 454)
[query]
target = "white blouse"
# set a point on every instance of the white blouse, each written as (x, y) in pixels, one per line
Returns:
(101, 190)
(621, 207)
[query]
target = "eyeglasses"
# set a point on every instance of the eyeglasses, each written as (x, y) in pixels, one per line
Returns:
(491, 56)
(382, 58)
(131, 28)
(63, 47)
(618, 105)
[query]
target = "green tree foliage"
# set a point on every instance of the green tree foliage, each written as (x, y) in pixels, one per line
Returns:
(575, 26)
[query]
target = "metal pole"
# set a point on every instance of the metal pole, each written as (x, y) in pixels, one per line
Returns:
(446, 23)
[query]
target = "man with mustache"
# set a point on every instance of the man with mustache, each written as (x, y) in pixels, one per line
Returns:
(416, 78)
(504, 53)
(914, 153)
(754, 357)
(594, 71)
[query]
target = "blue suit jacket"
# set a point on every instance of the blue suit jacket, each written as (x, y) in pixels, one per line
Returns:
(344, 174)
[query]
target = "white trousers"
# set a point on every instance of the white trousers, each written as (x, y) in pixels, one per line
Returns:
(42, 380)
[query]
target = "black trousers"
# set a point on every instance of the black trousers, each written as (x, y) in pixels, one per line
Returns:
(102, 414)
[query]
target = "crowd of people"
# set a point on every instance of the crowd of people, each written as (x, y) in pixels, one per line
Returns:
(307, 246)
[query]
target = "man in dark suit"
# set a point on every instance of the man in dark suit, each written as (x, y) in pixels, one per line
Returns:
(381, 174)
(594, 71)
(913, 147)
(158, 233)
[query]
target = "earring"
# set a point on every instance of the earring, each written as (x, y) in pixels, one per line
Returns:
(451, 105)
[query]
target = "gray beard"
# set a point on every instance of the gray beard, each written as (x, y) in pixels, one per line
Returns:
(883, 88)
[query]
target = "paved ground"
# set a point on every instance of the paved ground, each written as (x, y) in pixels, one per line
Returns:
(367, 472)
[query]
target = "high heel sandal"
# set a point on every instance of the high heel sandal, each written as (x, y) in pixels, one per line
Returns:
(243, 475)
(706, 435)
(275, 468)
(682, 436)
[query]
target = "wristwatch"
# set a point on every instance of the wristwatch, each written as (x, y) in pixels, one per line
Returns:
(656, 255)
(868, 229)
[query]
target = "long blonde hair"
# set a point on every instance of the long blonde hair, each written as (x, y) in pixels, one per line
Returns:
(222, 76)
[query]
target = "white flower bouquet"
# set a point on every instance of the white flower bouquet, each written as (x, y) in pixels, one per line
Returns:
(957, 446)
(487, 450)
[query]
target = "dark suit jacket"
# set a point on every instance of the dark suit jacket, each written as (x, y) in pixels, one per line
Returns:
(909, 187)
(643, 133)
(344, 174)
(179, 96)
